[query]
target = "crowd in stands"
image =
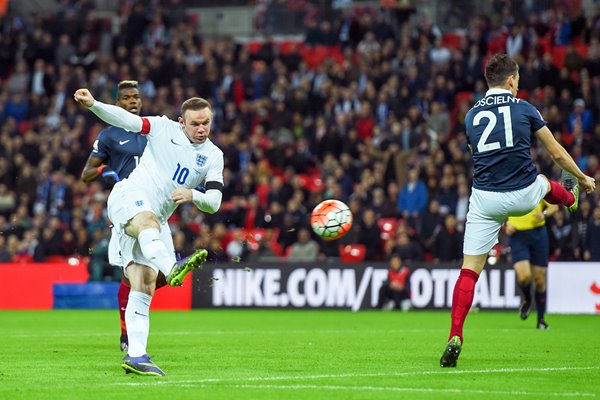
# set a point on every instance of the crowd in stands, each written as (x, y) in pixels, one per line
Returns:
(367, 110)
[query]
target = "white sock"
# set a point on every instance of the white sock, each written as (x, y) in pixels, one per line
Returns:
(137, 319)
(155, 250)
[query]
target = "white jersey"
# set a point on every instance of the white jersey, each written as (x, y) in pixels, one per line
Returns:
(169, 162)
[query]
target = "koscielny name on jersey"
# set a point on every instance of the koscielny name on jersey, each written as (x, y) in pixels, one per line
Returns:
(493, 100)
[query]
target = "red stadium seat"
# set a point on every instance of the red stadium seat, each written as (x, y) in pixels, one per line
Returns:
(277, 249)
(254, 236)
(352, 253)
(558, 56)
(546, 43)
(22, 258)
(523, 94)
(313, 183)
(387, 226)
(452, 40)
(464, 96)
(497, 44)
(254, 47)
(56, 259)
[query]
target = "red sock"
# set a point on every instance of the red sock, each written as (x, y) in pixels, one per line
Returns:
(123, 296)
(559, 195)
(464, 291)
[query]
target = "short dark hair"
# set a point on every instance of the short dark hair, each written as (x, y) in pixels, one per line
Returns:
(194, 103)
(126, 85)
(499, 68)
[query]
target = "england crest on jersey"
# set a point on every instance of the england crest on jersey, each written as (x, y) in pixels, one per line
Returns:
(200, 160)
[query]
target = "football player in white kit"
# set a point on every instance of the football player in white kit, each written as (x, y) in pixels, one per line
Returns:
(179, 156)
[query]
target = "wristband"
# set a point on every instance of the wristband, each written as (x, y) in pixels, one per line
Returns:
(101, 168)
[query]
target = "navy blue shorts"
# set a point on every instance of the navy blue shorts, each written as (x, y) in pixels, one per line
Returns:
(532, 245)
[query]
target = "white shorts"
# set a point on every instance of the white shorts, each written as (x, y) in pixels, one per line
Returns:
(489, 210)
(124, 204)
(114, 251)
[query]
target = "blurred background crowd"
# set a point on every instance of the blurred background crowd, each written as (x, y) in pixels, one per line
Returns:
(367, 107)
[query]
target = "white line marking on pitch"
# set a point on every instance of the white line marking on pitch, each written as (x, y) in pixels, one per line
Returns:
(245, 332)
(199, 382)
(409, 389)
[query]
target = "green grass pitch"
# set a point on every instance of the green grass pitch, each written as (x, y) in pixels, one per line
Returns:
(276, 354)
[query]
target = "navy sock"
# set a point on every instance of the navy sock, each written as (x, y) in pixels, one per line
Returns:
(540, 303)
(526, 291)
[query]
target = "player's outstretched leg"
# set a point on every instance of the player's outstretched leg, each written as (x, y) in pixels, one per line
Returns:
(565, 192)
(183, 267)
(451, 353)
(142, 365)
(570, 183)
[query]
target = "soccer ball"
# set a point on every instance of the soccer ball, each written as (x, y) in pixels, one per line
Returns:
(331, 219)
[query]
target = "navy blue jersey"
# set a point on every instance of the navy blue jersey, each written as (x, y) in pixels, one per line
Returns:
(499, 129)
(119, 149)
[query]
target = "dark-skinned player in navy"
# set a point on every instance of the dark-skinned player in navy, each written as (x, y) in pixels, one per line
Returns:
(115, 154)
(505, 181)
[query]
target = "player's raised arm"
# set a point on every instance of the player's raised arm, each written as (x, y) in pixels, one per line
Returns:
(112, 115)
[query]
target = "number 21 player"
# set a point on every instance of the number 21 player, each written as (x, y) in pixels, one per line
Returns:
(505, 180)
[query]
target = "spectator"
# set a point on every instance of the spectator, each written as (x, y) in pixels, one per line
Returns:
(304, 249)
(582, 116)
(440, 55)
(98, 267)
(5, 255)
(561, 244)
(7, 200)
(592, 251)
(395, 292)
(368, 46)
(580, 228)
(447, 246)
(514, 41)
(412, 200)
(19, 80)
(408, 249)
(237, 248)
(369, 235)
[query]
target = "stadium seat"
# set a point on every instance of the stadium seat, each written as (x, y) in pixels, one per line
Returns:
(352, 253)
(523, 94)
(497, 44)
(312, 183)
(558, 56)
(277, 248)
(56, 259)
(387, 226)
(253, 237)
(22, 258)
(453, 40)
(546, 43)
(254, 47)
(465, 96)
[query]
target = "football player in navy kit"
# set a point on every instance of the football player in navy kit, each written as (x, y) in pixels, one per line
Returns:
(115, 154)
(505, 181)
